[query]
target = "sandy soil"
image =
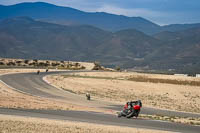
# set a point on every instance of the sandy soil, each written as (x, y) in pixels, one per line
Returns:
(14, 124)
(159, 95)
(6, 71)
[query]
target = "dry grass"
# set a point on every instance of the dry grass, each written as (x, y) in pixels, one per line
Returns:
(13, 124)
(188, 120)
(160, 95)
(135, 74)
(168, 81)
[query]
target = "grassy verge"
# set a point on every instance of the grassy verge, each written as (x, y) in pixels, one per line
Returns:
(185, 120)
(141, 79)
(92, 77)
(168, 81)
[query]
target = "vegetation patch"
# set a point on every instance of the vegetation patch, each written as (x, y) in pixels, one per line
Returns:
(168, 81)
(92, 77)
(183, 120)
(140, 79)
(50, 64)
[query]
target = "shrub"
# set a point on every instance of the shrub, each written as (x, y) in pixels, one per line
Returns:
(2, 63)
(117, 68)
(35, 60)
(82, 67)
(32, 64)
(11, 64)
(19, 62)
(55, 64)
(77, 64)
(97, 66)
(96, 63)
(42, 64)
(26, 61)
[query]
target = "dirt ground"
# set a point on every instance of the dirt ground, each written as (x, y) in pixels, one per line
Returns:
(114, 86)
(117, 89)
(14, 124)
(6, 71)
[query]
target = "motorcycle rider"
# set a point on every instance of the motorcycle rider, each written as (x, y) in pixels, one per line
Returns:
(138, 102)
(38, 72)
(129, 105)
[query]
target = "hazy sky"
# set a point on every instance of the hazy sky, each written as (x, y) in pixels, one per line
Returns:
(158, 11)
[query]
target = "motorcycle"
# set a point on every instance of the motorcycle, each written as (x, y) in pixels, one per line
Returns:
(130, 110)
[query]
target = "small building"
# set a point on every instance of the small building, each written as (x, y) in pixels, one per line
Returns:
(181, 75)
(198, 75)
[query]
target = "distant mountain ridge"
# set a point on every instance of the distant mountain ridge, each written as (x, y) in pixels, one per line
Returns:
(180, 50)
(69, 16)
(84, 39)
(24, 37)
(65, 15)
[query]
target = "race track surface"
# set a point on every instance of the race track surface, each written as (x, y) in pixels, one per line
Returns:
(33, 84)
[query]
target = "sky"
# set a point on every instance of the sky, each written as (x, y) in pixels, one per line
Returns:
(158, 11)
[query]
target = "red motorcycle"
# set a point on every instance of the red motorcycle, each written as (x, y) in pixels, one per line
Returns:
(131, 109)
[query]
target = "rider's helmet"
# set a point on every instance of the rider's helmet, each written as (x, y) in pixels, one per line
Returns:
(140, 103)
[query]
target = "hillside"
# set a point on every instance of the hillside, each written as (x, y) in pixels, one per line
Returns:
(26, 38)
(181, 50)
(179, 27)
(23, 37)
(69, 16)
(128, 46)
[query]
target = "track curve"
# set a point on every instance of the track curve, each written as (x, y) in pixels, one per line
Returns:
(33, 84)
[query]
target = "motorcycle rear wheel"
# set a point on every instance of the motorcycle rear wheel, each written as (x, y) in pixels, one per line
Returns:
(130, 115)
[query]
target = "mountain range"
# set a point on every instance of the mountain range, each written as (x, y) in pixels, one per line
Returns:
(43, 36)
(69, 16)
(24, 37)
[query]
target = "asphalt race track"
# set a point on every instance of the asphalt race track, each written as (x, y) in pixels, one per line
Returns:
(33, 84)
